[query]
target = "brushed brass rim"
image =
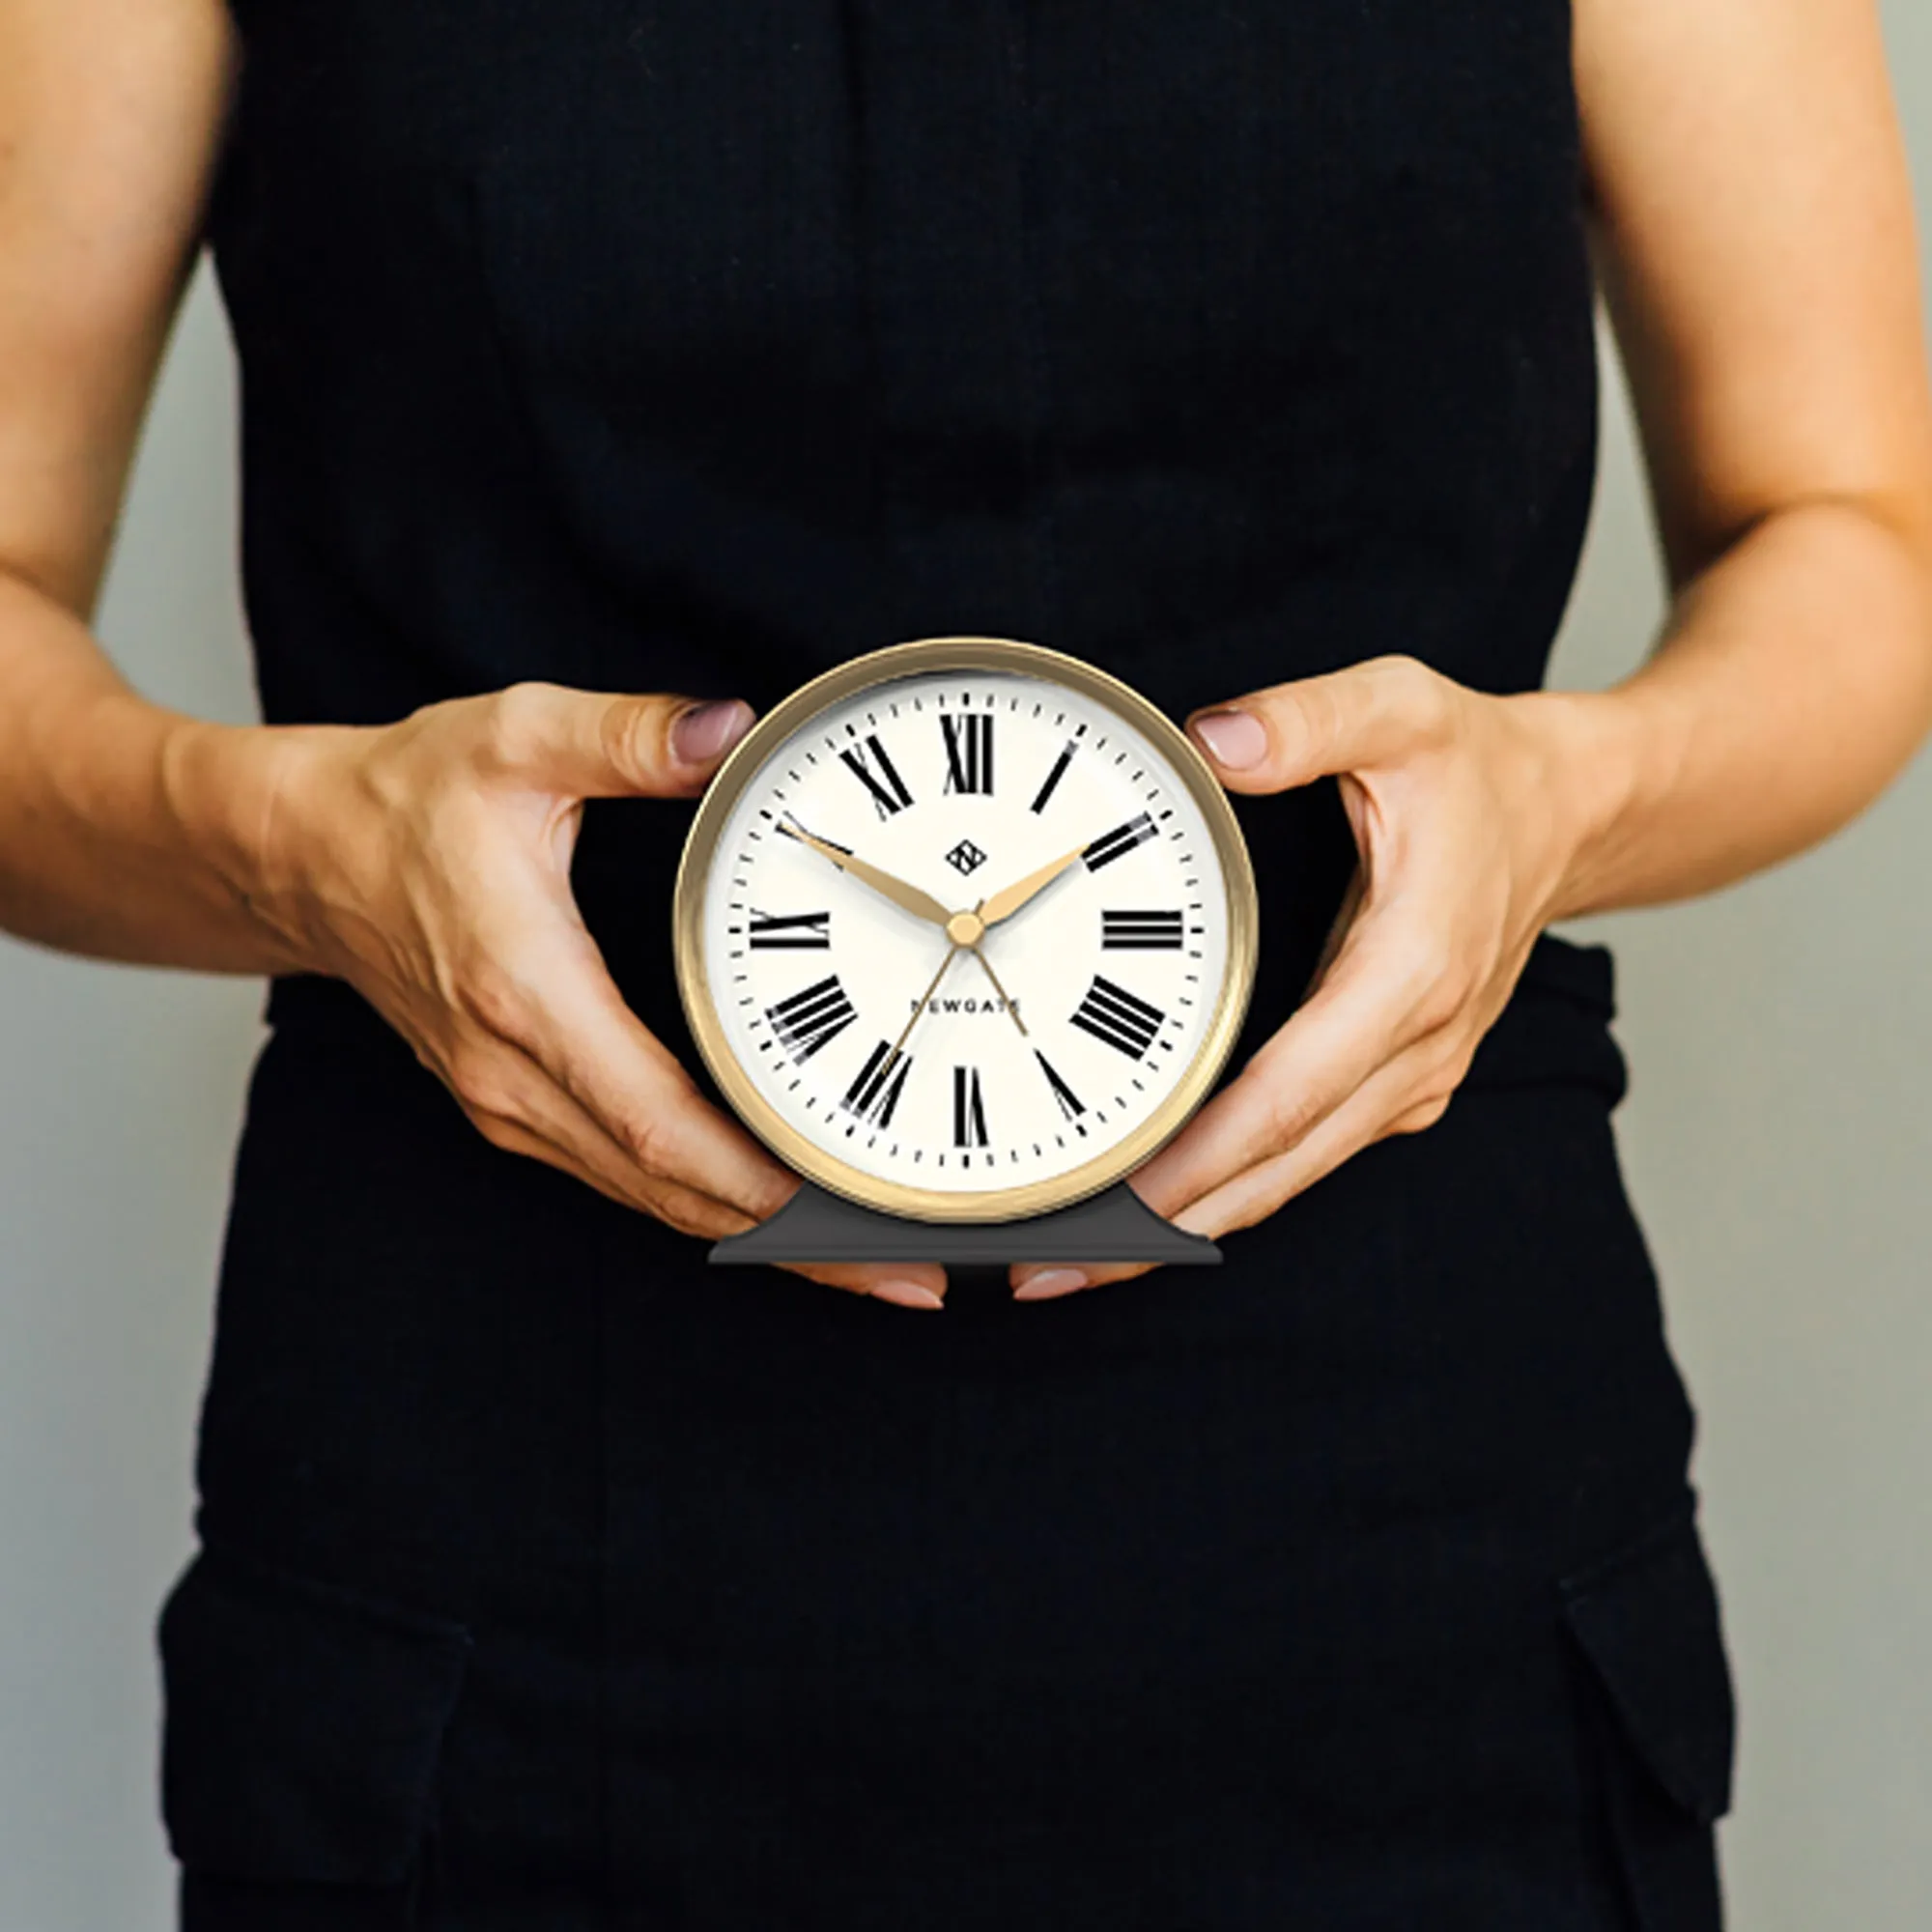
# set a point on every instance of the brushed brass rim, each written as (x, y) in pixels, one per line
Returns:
(925, 656)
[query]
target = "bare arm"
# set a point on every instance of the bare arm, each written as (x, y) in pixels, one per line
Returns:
(112, 834)
(1752, 225)
(426, 863)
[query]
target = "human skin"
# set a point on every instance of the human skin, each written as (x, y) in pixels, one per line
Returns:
(1750, 218)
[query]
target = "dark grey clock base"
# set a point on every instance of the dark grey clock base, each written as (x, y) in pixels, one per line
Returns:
(1114, 1225)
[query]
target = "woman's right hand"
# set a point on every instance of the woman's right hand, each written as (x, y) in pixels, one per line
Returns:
(427, 863)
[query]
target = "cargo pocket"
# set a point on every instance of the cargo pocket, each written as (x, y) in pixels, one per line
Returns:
(1658, 1719)
(301, 1735)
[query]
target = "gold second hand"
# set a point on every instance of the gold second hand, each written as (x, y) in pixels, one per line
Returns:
(1006, 999)
(918, 1006)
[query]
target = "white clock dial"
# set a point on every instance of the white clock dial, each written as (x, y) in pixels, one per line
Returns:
(1016, 1048)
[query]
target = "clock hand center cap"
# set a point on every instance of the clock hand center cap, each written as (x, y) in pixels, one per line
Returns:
(965, 928)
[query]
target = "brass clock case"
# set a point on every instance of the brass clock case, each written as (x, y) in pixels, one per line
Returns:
(925, 656)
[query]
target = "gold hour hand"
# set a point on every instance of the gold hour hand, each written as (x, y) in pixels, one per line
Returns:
(909, 898)
(1010, 899)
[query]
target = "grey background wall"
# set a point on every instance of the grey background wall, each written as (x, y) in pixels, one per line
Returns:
(1777, 1139)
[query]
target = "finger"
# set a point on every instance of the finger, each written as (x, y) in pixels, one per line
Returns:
(1401, 1097)
(1343, 721)
(666, 1135)
(1375, 1010)
(1326, 1048)
(1049, 1284)
(600, 745)
(513, 1101)
(688, 1214)
(909, 1284)
(1033, 1281)
(1382, 997)
(518, 1107)
(561, 1007)
(1393, 1102)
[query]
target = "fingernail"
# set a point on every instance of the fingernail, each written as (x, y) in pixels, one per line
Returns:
(908, 1295)
(1048, 1283)
(1236, 739)
(707, 731)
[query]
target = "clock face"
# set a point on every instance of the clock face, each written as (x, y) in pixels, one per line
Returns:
(965, 930)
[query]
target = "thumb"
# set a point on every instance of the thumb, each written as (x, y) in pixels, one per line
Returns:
(1343, 721)
(912, 1287)
(604, 745)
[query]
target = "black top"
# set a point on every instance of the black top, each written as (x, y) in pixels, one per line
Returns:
(698, 347)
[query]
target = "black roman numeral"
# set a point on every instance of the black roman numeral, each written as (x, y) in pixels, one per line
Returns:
(1141, 931)
(1070, 1102)
(969, 751)
(875, 1093)
(1120, 1019)
(1118, 842)
(888, 789)
(804, 1022)
(968, 1108)
(790, 931)
(1054, 776)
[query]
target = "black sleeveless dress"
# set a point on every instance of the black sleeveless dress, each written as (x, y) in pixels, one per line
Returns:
(548, 1580)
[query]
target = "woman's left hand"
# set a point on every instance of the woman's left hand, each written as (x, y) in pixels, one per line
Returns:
(1469, 811)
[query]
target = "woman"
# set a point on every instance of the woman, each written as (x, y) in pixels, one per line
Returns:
(592, 349)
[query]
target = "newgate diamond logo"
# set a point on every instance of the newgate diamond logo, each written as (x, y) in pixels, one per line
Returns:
(966, 858)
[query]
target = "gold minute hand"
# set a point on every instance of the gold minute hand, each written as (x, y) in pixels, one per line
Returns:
(1010, 899)
(922, 905)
